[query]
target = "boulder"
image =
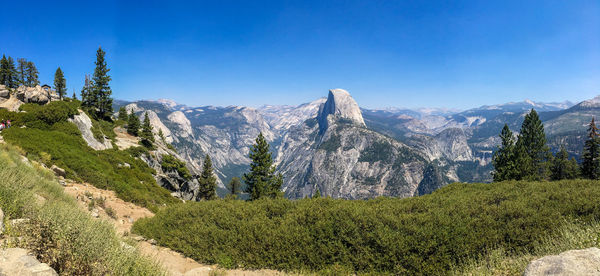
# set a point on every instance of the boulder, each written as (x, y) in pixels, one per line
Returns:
(58, 171)
(17, 261)
(4, 92)
(33, 94)
(572, 262)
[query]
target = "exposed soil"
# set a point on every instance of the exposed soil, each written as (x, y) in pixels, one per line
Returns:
(125, 214)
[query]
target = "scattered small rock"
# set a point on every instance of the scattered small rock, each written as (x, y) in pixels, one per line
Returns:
(152, 241)
(572, 262)
(95, 213)
(40, 199)
(137, 238)
(62, 182)
(58, 171)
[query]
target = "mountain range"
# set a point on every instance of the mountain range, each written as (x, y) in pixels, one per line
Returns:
(333, 146)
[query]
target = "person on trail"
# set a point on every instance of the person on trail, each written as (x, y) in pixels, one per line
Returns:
(7, 123)
(1, 126)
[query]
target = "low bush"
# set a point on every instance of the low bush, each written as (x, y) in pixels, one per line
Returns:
(170, 163)
(426, 235)
(49, 134)
(57, 231)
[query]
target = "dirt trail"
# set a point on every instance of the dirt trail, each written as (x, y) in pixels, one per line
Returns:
(125, 214)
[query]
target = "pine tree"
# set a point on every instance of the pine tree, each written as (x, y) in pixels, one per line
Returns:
(503, 160)
(85, 93)
(123, 114)
(133, 124)
(147, 136)
(22, 71)
(101, 92)
(234, 186)
(590, 167)
(208, 181)
(562, 167)
(11, 74)
(74, 97)
(4, 71)
(161, 135)
(60, 83)
(532, 140)
(32, 74)
(261, 181)
(317, 194)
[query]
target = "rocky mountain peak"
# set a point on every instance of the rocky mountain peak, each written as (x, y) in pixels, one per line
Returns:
(340, 105)
(595, 102)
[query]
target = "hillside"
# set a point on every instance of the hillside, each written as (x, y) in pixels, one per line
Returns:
(451, 230)
(40, 217)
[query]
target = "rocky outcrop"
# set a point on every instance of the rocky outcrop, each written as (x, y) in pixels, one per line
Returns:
(186, 189)
(339, 105)
(84, 124)
(572, 262)
(35, 94)
(17, 261)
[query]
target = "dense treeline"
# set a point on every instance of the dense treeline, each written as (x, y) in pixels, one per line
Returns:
(426, 235)
(529, 158)
(11, 75)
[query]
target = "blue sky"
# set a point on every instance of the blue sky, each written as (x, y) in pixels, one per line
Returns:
(454, 54)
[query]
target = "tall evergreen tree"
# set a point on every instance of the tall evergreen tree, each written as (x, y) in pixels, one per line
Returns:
(86, 101)
(32, 74)
(590, 167)
(123, 116)
(261, 181)
(532, 140)
(562, 167)
(504, 159)
(208, 181)
(74, 97)
(147, 136)
(101, 92)
(22, 71)
(133, 124)
(4, 71)
(161, 135)
(12, 79)
(234, 186)
(60, 83)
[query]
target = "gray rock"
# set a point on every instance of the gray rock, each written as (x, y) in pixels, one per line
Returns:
(58, 171)
(16, 261)
(4, 92)
(152, 241)
(572, 262)
(84, 124)
(340, 105)
(33, 94)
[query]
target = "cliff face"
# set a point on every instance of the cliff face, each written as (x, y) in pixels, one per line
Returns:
(336, 154)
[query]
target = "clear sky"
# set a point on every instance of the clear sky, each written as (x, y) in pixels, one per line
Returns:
(455, 54)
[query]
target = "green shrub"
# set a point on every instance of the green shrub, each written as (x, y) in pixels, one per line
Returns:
(426, 235)
(99, 168)
(58, 232)
(170, 163)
